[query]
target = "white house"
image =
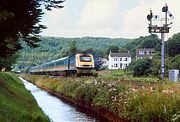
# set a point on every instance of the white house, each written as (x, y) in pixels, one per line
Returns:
(119, 60)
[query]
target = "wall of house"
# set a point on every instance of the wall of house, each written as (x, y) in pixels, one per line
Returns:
(119, 62)
(144, 53)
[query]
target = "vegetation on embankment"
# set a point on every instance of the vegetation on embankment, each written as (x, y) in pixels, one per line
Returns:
(16, 103)
(132, 100)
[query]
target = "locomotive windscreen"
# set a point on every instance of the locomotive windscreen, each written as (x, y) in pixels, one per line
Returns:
(85, 58)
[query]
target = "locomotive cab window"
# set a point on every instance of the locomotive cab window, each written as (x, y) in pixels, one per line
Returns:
(85, 58)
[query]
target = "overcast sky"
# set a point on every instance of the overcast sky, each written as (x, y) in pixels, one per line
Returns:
(107, 18)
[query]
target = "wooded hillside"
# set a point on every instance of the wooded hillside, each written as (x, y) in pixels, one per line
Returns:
(51, 48)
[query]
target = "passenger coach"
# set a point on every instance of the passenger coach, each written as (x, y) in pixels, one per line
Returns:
(76, 64)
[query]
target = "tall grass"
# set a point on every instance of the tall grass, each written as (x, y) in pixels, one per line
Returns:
(137, 101)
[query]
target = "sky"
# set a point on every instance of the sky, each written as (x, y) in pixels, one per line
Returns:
(107, 18)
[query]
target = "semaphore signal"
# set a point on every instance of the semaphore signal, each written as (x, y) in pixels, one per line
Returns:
(164, 28)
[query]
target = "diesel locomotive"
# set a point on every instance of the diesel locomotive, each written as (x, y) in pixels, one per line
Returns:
(76, 64)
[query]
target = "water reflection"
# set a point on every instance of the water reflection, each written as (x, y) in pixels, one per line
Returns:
(57, 110)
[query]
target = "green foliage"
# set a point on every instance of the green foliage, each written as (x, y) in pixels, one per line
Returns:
(156, 65)
(17, 104)
(142, 42)
(141, 67)
(102, 98)
(72, 48)
(5, 15)
(85, 92)
(153, 105)
(173, 45)
(7, 63)
(119, 72)
(175, 62)
(113, 49)
(21, 19)
(52, 48)
(136, 101)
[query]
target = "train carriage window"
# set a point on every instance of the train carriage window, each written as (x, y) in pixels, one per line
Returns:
(72, 60)
(51, 64)
(60, 63)
(85, 58)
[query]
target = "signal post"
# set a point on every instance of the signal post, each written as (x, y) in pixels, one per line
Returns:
(164, 28)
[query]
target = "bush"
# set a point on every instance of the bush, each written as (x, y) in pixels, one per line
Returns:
(176, 62)
(141, 67)
(153, 105)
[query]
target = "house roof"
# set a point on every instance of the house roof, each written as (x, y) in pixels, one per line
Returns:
(145, 49)
(120, 54)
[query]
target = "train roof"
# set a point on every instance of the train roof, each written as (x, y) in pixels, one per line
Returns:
(50, 62)
(59, 59)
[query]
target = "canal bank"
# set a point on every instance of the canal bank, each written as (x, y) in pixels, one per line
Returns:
(56, 109)
(102, 114)
(117, 98)
(16, 103)
(94, 113)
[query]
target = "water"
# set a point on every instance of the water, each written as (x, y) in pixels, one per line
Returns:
(57, 110)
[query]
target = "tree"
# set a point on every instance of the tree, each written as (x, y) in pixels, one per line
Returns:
(150, 41)
(141, 67)
(89, 50)
(175, 62)
(156, 67)
(21, 19)
(6, 63)
(72, 48)
(113, 49)
(173, 45)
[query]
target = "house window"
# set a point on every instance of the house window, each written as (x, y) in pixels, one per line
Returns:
(120, 59)
(152, 52)
(141, 52)
(116, 59)
(147, 52)
(125, 59)
(111, 65)
(121, 65)
(125, 65)
(115, 65)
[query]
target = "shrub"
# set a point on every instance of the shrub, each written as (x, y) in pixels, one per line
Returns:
(148, 105)
(141, 67)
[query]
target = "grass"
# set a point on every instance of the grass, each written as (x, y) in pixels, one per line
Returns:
(135, 100)
(16, 103)
(126, 75)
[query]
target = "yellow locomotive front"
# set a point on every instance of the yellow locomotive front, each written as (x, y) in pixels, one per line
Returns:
(84, 64)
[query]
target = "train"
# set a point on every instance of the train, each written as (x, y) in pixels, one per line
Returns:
(76, 64)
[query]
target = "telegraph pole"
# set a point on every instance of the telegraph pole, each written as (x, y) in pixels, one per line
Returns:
(160, 29)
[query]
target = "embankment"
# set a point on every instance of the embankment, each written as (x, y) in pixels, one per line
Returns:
(16, 103)
(117, 98)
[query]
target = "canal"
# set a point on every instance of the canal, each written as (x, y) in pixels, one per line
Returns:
(56, 109)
